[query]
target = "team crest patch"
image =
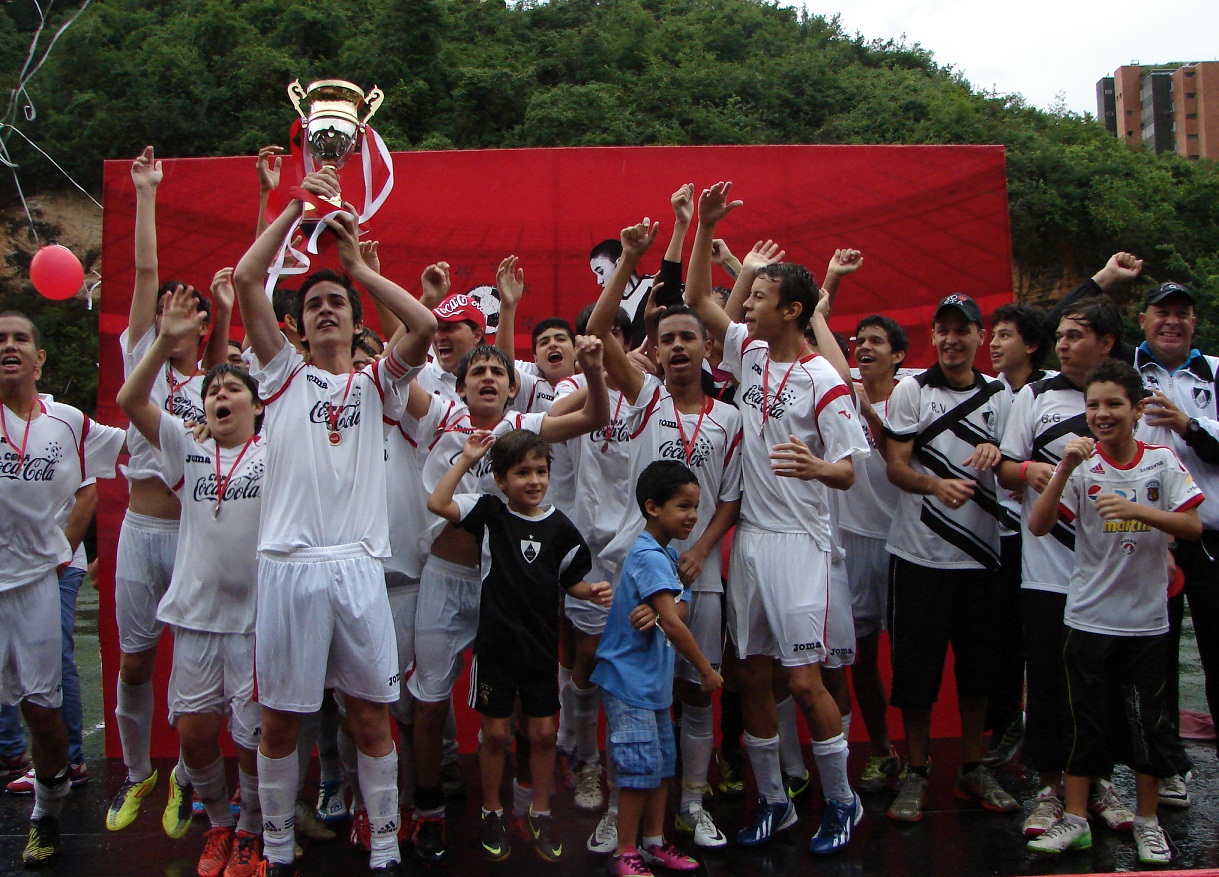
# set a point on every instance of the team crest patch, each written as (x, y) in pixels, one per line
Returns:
(530, 549)
(988, 418)
(1202, 397)
(1153, 490)
(1128, 547)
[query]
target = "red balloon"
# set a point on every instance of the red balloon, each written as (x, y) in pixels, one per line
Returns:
(56, 272)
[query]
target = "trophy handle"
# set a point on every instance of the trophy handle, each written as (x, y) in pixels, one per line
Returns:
(373, 102)
(296, 94)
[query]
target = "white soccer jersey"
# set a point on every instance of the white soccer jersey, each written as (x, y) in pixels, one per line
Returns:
(1120, 583)
(41, 468)
(320, 493)
(805, 398)
(174, 393)
(867, 508)
(214, 585)
(1045, 415)
(946, 424)
(438, 382)
(534, 394)
(709, 444)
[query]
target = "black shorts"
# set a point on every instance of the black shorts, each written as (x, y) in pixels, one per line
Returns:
(496, 683)
(1115, 687)
(928, 609)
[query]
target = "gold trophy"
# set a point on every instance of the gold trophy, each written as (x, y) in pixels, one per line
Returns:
(331, 127)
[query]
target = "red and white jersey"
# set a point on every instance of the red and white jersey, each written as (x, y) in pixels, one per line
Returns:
(41, 468)
(438, 382)
(867, 508)
(709, 443)
(534, 394)
(805, 398)
(1120, 583)
(214, 585)
(319, 493)
(174, 393)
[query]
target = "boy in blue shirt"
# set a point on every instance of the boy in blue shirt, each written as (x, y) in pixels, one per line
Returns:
(635, 669)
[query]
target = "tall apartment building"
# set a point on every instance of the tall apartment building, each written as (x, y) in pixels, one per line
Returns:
(1164, 107)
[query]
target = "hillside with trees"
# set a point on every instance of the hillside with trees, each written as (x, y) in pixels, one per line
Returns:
(207, 77)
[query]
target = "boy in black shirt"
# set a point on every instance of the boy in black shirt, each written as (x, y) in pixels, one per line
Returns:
(529, 551)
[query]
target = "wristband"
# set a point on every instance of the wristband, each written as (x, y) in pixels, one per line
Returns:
(1024, 471)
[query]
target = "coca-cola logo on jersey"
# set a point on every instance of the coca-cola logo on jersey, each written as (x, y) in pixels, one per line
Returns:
(615, 431)
(348, 417)
(14, 468)
(248, 486)
(479, 469)
(673, 449)
(776, 405)
(184, 408)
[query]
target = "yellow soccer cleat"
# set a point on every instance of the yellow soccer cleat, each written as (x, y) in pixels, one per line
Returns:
(178, 813)
(126, 804)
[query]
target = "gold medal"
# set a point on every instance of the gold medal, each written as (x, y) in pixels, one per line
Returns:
(335, 438)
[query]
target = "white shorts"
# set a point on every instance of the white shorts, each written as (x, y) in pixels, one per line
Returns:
(778, 596)
(324, 622)
(839, 626)
(403, 597)
(30, 644)
(446, 621)
(868, 576)
(214, 673)
(585, 615)
(706, 621)
(143, 568)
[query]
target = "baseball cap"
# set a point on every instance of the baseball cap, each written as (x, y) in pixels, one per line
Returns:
(458, 308)
(1157, 294)
(963, 304)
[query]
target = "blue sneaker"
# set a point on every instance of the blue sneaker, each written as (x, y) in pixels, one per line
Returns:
(834, 833)
(768, 820)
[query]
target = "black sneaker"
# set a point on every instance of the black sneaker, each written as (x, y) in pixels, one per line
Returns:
(43, 844)
(277, 869)
(540, 827)
(428, 841)
(494, 837)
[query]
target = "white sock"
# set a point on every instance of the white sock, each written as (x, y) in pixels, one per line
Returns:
(587, 702)
(311, 724)
(846, 726)
(1081, 820)
(180, 774)
(1146, 820)
(327, 747)
(49, 798)
(567, 712)
(522, 798)
(348, 754)
(764, 759)
(831, 758)
(278, 780)
(250, 818)
(791, 755)
(697, 742)
(133, 714)
(379, 782)
(647, 842)
(213, 791)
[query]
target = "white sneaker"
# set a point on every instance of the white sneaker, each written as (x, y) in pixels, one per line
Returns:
(1174, 792)
(604, 839)
(1152, 844)
(698, 822)
(1104, 802)
(1047, 810)
(588, 787)
(1063, 835)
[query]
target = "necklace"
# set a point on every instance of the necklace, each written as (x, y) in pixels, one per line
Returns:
(222, 484)
(25, 437)
(333, 413)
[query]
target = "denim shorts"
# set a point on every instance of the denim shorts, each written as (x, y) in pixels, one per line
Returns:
(640, 743)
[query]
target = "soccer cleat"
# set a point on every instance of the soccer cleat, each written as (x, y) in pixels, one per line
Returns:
(541, 830)
(429, 841)
(665, 855)
(1174, 791)
(78, 775)
(694, 820)
(911, 796)
(1063, 835)
(1047, 810)
(176, 818)
(732, 773)
(15, 766)
(361, 831)
(1007, 747)
(1104, 802)
(494, 837)
(630, 865)
(796, 786)
(246, 855)
(126, 804)
(43, 844)
(878, 770)
(331, 801)
(604, 839)
(306, 824)
(980, 786)
(768, 820)
(217, 849)
(1152, 844)
(452, 780)
(834, 832)
(588, 787)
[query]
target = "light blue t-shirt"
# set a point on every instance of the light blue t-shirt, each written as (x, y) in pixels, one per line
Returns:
(637, 666)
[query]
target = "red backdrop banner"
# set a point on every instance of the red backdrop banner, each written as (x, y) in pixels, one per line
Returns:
(930, 220)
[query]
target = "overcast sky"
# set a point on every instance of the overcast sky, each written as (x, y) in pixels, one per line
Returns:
(1040, 48)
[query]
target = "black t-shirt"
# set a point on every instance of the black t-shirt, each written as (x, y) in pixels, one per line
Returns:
(526, 564)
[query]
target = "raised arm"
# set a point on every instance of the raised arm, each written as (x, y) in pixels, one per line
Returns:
(217, 350)
(842, 263)
(636, 240)
(595, 413)
(268, 165)
(441, 501)
(763, 253)
(146, 175)
(510, 281)
(683, 213)
(713, 206)
(827, 344)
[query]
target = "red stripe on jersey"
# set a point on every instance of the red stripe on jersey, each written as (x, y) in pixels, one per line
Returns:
(732, 446)
(268, 400)
(1066, 513)
(1190, 503)
(836, 392)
